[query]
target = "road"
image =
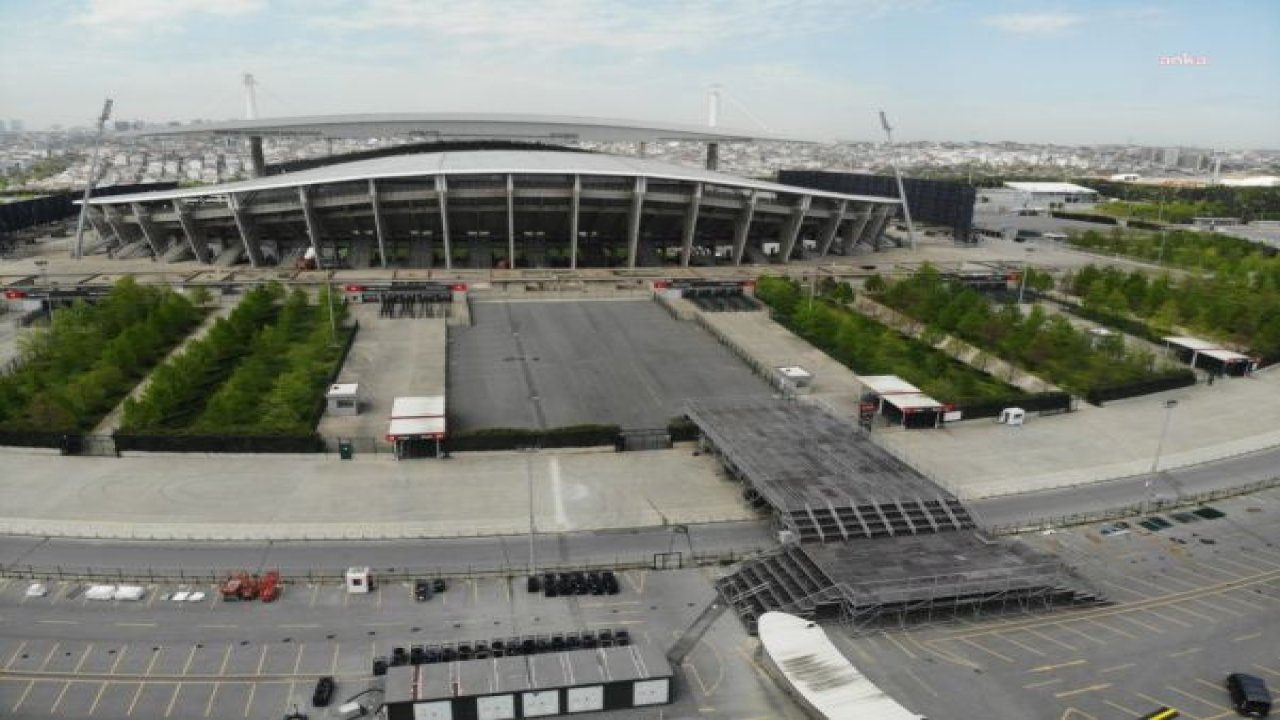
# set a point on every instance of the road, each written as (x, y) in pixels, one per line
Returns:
(444, 556)
(1166, 486)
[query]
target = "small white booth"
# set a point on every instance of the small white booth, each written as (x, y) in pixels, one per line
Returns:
(793, 378)
(1012, 416)
(359, 580)
(343, 399)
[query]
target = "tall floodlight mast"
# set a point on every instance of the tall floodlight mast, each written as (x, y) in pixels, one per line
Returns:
(713, 118)
(902, 193)
(250, 98)
(77, 248)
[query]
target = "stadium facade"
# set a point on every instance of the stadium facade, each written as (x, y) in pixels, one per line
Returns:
(499, 208)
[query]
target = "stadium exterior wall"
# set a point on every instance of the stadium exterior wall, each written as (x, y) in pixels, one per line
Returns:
(496, 209)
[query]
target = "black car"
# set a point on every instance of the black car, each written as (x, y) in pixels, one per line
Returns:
(324, 692)
(422, 590)
(439, 585)
(1249, 695)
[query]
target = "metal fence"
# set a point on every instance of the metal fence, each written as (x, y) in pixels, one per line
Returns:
(1129, 510)
(213, 576)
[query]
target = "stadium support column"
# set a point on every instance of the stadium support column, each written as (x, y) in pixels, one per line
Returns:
(690, 224)
(713, 156)
(248, 233)
(193, 231)
(377, 220)
(575, 204)
(859, 226)
(832, 227)
(95, 218)
(875, 229)
(313, 225)
(511, 222)
(148, 229)
(633, 221)
(442, 195)
(792, 231)
(112, 216)
(257, 163)
(743, 227)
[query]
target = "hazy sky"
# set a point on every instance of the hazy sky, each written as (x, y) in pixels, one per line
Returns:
(1065, 71)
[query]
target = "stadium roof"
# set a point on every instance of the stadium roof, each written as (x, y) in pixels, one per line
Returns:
(482, 162)
(1049, 187)
(471, 126)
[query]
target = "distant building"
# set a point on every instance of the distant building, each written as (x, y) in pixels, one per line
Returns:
(1042, 195)
(15, 126)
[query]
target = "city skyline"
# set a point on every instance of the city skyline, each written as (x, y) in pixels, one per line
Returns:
(1178, 73)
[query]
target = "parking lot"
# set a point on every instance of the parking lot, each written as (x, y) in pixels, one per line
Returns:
(64, 655)
(1192, 602)
(552, 364)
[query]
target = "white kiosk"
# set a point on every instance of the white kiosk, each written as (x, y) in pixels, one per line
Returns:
(359, 580)
(343, 399)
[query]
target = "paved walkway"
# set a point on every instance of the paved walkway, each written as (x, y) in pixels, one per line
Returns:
(316, 497)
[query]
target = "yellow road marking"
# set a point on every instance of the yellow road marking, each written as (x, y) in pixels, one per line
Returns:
(1055, 641)
(21, 646)
(987, 650)
(1042, 683)
(1047, 668)
(899, 645)
(23, 697)
(137, 694)
(923, 684)
(1024, 646)
(1211, 703)
(1114, 668)
(1080, 691)
(83, 656)
(173, 699)
(49, 657)
(102, 688)
(208, 707)
(1127, 711)
(53, 710)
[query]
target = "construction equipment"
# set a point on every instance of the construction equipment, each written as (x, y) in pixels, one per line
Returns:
(241, 586)
(270, 587)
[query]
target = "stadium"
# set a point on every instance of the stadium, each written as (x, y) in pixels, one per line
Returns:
(488, 193)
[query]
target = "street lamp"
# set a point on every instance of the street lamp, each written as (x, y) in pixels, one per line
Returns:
(1169, 405)
(528, 474)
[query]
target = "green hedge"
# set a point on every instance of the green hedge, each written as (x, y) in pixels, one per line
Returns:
(90, 357)
(1084, 217)
(516, 438)
(870, 348)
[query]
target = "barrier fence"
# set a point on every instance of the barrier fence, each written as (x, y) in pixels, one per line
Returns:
(180, 576)
(1154, 506)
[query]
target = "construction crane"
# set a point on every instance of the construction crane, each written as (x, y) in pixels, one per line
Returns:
(77, 249)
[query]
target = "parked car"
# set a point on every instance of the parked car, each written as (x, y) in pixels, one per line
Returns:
(323, 692)
(422, 590)
(1249, 695)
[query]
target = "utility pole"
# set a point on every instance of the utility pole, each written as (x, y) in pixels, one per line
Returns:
(77, 248)
(1169, 405)
(902, 193)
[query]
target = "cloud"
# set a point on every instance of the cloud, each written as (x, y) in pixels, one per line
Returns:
(129, 15)
(1034, 23)
(638, 27)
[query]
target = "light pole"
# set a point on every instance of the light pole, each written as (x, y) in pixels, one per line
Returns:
(528, 474)
(1169, 405)
(902, 193)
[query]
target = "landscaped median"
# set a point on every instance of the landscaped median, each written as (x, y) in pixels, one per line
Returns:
(1044, 344)
(870, 348)
(254, 383)
(77, 370)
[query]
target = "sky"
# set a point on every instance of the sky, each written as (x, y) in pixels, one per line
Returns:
(1043, 71)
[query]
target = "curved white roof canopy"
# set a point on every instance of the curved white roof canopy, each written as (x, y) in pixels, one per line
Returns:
(483, 162)
(472, 126)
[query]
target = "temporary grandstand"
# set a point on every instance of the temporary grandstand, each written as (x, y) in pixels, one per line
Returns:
(487, 209)
(868, 541)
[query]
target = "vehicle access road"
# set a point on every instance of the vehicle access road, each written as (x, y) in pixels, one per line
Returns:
(1167, 487)
(452, 556)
